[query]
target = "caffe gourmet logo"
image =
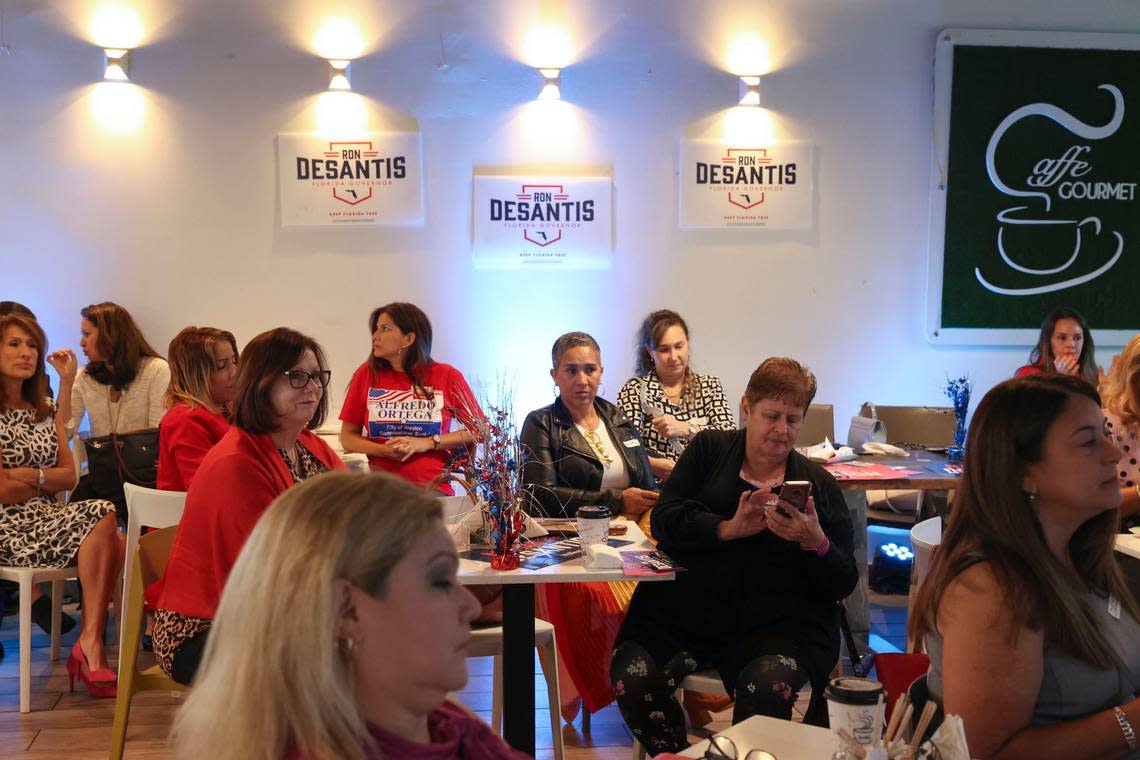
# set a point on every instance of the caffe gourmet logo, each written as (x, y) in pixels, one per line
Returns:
(1045, 199)
(351, 170)
(542, 212)
(748, 174)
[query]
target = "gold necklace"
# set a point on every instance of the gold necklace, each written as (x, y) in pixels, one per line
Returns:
(599, 448)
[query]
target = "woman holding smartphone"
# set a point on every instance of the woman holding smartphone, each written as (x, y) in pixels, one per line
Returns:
(758, 601)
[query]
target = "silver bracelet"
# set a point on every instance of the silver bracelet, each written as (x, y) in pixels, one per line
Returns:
(1126, 728)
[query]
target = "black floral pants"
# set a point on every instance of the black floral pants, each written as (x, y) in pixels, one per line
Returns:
(646, 692)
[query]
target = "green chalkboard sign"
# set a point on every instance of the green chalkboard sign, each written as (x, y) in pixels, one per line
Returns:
(1036, 201)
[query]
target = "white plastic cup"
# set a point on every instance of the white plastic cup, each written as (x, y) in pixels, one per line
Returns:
(593, 525)
(852, 704)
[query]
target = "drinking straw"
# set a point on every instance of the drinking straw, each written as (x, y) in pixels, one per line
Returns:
(923, 721)
(902, 723)
(876, 726)
(896, 716)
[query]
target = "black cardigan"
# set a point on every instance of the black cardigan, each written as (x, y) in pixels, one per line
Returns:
(757, 583)
(561, 468)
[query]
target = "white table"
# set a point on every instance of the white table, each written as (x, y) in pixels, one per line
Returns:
(1128, 543)
(783, 738)
(518, 624)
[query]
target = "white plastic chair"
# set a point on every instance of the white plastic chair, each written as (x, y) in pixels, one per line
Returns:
(27, 578)
(925, 538)
(489, 642)
(150, 508)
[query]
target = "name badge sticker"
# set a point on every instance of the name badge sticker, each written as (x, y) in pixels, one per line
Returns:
(632, 443)
(1114, 607)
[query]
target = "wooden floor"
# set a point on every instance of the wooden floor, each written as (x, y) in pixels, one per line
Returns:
(77, 727)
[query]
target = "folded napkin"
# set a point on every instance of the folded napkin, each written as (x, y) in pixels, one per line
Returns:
(602, 557)
(875, 447)
(532, 528)
(825, 452)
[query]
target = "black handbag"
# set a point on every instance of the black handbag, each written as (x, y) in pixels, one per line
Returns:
(122, 458)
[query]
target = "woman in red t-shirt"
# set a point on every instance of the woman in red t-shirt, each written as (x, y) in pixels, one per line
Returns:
(203, 375)
(402, 409)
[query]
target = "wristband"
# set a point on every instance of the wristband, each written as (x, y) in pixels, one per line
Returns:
(1126, 728)
(821, 549)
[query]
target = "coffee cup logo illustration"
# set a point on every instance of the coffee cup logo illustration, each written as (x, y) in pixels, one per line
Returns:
(1055, 182)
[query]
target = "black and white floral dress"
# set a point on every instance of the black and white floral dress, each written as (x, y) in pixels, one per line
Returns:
(40, 532)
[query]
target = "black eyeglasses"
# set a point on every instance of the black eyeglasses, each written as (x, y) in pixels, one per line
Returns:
(299, 378)
(723, 748)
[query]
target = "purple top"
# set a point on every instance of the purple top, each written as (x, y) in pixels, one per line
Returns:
(455, 735)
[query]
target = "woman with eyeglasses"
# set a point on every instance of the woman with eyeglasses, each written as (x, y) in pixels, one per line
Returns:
(280, 399)
(199, 401)
(758, 601)
(403, 409)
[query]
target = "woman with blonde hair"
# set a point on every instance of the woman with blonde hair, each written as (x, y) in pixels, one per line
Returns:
(364, 673)
(1120, 394)
(1030, 627)
(203, 374)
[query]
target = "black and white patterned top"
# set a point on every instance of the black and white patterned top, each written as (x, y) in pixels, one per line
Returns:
(708, 410)
(40, 532)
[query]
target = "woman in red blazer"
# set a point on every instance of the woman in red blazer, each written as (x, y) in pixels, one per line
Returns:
(280, 399)
(199, 402)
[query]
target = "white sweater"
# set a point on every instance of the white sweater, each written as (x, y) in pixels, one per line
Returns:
(140, 405)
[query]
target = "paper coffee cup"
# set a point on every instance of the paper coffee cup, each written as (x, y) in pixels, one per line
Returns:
(593, 525)
(851, 704)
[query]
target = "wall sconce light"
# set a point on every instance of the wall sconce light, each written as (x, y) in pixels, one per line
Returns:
(116, 64)
(340, 75)
(551, 84)
(749, 91)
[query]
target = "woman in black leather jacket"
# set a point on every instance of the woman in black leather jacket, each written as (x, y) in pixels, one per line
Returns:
(582, 450)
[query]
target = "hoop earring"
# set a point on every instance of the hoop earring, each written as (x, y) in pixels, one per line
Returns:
(602, 390)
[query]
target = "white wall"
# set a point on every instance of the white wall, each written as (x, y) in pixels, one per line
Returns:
(178, 220)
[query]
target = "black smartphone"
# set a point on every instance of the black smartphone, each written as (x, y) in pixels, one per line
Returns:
(796, 493)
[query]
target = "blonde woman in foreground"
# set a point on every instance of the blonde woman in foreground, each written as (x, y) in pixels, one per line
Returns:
(382, 636)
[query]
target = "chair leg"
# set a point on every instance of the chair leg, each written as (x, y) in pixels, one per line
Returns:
(497, 695)
(134, 530)
(550, 671)
(56, 613)
(122, 716)
(25, 643)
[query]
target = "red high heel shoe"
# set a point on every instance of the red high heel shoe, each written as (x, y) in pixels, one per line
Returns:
(99, 683)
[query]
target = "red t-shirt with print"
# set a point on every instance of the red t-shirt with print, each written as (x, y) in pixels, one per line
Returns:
(385, 405)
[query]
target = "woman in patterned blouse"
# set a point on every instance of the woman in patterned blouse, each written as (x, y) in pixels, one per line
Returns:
(667, 400)
(1120, 396)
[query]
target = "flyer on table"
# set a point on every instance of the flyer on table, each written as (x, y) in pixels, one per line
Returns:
(526, 222)
(374, 178)
(722, 186)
